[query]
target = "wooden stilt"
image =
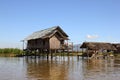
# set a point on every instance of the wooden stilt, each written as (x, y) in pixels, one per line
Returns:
(47, 54)
(42, 54)
(72, 48)
(87, 54)
(63, 52)
(51, 54)
(67, 48)
(35, 53)
(39, 53)
(82, 54)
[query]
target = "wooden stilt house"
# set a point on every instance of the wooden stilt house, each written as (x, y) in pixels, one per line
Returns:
(96, 47)
(47, 40)
(117, 46)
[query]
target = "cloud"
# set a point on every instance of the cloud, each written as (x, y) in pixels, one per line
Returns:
(92, 36)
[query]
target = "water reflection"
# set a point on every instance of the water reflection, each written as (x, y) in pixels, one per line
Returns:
(69, 68)
(101, 69)
(12, 69)
(60, 68)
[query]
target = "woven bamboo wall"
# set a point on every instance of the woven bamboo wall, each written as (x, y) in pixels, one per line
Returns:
(54, 43)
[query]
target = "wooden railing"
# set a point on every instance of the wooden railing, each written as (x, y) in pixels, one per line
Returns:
(63, 46)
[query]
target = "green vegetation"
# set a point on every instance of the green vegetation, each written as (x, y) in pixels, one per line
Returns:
(11, 52)
(117, 55)
(67, 54)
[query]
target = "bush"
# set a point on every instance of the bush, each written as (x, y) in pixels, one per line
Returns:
(9, 51)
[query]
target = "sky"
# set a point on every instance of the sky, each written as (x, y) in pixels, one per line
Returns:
(82, 20)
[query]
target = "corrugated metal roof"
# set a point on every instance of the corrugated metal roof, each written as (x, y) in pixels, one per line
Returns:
(42, 33)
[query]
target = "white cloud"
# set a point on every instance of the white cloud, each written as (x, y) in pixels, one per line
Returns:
(92, 36)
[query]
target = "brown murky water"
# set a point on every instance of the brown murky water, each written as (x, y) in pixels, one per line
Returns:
(60, 68)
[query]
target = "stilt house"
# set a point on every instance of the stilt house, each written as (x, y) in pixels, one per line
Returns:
(117, 46)
(96, 47)
(46, 40)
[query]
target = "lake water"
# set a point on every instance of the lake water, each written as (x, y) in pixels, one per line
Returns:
(60, 68)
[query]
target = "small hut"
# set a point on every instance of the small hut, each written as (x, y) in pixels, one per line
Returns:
(47, 40)
(117, 46)
(96, 47)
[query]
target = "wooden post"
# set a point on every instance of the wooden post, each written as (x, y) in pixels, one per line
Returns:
(87, 53)
(51, 54)
(42, 53)
(82, 54)
(67, 48)
(47, 54)
(72, 48)
(35, 52)
(31, 53)
(63, 53)
(39, 53)
(55, 51)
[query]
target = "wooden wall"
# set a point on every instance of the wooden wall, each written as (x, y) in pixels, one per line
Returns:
(54, 43)
(38, 44)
